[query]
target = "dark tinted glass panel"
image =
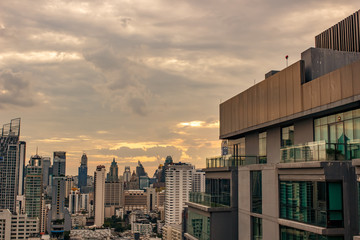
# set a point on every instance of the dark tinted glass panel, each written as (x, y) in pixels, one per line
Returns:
(256, 191)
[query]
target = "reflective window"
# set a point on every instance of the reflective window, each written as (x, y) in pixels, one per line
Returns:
(262, 144)
(256, 191)
(256, 233)
(287, 136)
(317, 203)
(341, 132)
(198, 225)
(288, 233)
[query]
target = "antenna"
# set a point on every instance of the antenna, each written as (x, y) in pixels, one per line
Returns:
(37, 148)
(287, 57)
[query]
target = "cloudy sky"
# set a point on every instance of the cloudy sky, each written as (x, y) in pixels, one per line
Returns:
(142, 79)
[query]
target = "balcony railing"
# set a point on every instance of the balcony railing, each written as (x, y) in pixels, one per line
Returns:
(321, 151)
(234, 161)
(221, 200)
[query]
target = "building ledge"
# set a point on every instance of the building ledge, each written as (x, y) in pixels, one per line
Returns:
(356, 162)
(189, 237)
(311, 228)
(207, 208)
(313, 164)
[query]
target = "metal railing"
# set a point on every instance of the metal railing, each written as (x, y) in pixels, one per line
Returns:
(234, 161)
(221, 200)
(321, 151)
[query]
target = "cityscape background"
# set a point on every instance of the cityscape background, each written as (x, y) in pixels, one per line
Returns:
(137, 80)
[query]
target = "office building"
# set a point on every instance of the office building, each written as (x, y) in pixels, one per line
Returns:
(144, 182)
(11, 165)
(135, 200)
(82, 173)
(99, 195)
(114, 197)
(113, 174)
(34, 187)
(140, 171)
(198, 181)
(69, 185)
(17, 226)
(178, 185)
(294, 140)
(127, 174)
(58, 215)
(85, 202)
(74, 201)
(46, 163)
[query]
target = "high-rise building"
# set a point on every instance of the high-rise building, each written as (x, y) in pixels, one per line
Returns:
(69, 185)
(135, 200)
(74, 201)
(17, 226)
(178, 185)
(114, 195)
(198, 182)
(57, 214)
(140, 171)
(144, 182)
(294, 149)
(82, 173)
(34, 187)
(113, 175)
(10, 165)
(127, 174)
(46, 171)
(99, 195)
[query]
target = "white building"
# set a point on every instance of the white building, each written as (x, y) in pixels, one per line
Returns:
(17, 226)
(84, 202)
(178, 184)
(198, 182)
(74, 201)
(99, 195)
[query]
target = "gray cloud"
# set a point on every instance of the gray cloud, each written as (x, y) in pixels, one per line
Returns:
(15, 90)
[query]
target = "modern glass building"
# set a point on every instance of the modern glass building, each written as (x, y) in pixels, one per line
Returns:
(293, 141)
(82, 175)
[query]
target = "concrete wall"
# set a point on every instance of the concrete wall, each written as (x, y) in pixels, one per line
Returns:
(244, 204)
(304, 131)
(223, 225)
(273, 143)
(252, 144)
(321, 61)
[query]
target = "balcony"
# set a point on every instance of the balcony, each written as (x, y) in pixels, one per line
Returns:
(321, 151)
(221, 200)
(234, 161)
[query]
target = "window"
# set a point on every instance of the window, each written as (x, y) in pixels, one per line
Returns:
(262, 147)
(316, 203)
(288, 233)
(287, 136)
(198, 225)
(256, 191)
(256, 233)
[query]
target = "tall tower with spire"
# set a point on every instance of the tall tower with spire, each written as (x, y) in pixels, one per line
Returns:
(113, 175)
(82, 178)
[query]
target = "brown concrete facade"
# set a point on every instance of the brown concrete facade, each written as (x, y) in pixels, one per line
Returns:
(283, 95)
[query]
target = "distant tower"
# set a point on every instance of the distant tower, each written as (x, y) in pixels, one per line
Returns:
(99, 195)
(127, 174)
(11, 175)
(57, 226)
(74, 201)
(34, 187)
(113, 175)
(140, 171)
(82, 176)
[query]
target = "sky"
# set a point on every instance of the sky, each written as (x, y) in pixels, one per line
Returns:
(137, 80)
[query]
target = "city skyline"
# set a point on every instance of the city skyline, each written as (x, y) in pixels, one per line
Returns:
(130, 81)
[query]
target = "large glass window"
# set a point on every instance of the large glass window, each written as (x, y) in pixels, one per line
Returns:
(262, 147)
(287, 136)
(219, 190)
(256, 191)
(288, 233)
(238, 148)
(256, 233)
(341, 132)
(317, 203)
(198, 225)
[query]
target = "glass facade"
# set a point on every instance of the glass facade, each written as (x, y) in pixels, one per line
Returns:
(238, 147)
(287, 136)
(316, 203)
(288, 233)
(256, 191)
(262, 147)
(341, 132)
(198, 225)
(256, 233)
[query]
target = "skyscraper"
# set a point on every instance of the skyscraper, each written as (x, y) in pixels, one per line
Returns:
(198, 182)
(140, 171)
(113, 175)
(82, 178)
(127, 174)
(46, 163)
(34, 187)
(10, 165)
(178, 185)
(58, 195)
(99, 195)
